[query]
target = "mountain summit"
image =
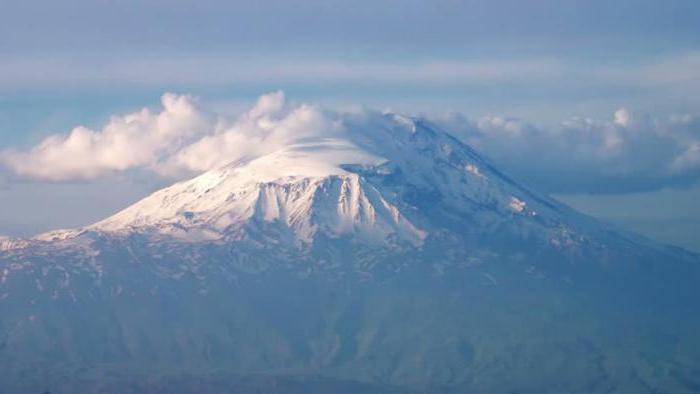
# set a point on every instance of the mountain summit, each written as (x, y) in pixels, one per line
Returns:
(377, 253)
(383, 180)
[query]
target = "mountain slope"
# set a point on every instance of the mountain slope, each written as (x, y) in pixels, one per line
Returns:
(382, 254)
(389, 179)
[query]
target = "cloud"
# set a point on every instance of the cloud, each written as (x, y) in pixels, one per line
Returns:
(631, 152)
(214, 70)
(180, 140)
(139, 139)
(689, 159)
(269, 125)
(626, 153)
(667, 71)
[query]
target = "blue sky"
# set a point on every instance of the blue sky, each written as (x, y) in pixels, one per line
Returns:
(537, 64)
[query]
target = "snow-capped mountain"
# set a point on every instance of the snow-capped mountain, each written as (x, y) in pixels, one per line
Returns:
(388, 180)
(384, 253)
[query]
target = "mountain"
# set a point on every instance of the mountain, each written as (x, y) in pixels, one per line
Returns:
(392, 182)
(382, 256)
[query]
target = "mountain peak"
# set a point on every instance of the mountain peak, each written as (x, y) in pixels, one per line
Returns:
(306, 187)
(381, 179)
(376, 180)
(229, 204)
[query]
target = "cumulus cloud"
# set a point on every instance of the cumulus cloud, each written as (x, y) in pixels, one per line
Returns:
(628, 152)
(180, 140)
(269, 125)
(139, 139)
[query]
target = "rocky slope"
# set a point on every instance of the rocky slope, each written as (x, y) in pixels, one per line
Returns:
(389, 256)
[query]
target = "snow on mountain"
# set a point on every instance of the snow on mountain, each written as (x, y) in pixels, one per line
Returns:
(380, 250)
(373, 180)
(7, 243)
(302, 186)
(356, 250)
(378, 178)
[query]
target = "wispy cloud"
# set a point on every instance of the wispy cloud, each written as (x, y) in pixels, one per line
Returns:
(671, 71)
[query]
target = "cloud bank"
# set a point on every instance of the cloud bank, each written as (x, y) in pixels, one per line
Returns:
(628, 152)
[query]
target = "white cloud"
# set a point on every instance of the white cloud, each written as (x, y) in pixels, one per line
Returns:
(689, 159)
(629, 152)
(139, 139)
(180, 140)
(269, 125)
(622, 117)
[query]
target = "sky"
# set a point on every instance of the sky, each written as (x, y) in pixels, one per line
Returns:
(594, 102)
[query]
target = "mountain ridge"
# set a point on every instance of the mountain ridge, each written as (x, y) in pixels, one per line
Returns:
(445, 170)
(396, 257)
